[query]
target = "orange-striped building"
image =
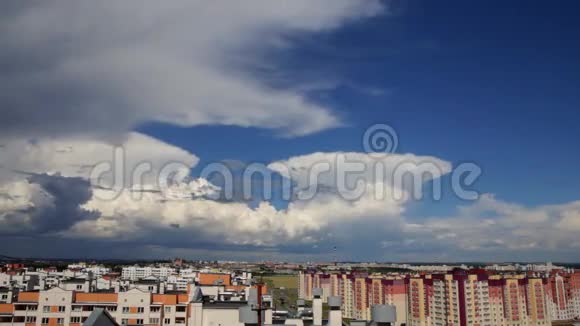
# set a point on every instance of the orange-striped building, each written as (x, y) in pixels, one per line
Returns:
(61, 307)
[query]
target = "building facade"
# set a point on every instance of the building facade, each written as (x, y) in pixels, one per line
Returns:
(458, 297)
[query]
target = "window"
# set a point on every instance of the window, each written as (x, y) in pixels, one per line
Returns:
(140, 309)
(125, 310)
(46, 309)
(44, 321)
(111, 308)
(77, 308)
(61, 308)
(167, 309)
(155, 309)
(139, 321)
(180, 308)
(30, 319)
(4, 297)
(60, 321)
(167, 321)
(75, 320)
(124, 321)
(154, 321)
(31, 308)
(79, 287)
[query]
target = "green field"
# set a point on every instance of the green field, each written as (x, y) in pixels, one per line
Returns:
(281, 281)
(284, 290)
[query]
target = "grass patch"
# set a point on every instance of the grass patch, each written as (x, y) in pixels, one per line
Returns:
(283, 288)
(280, 281)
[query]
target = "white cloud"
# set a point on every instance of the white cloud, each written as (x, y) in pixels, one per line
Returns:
(16, 201)
(44, 182)
(495, 226)
(130, 215)
(303, 221)
(100, 68)
(78, 157)
(183, 216)
(349, 173)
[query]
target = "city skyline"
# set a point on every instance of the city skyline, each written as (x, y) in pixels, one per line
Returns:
(330, 130)
(179, 292)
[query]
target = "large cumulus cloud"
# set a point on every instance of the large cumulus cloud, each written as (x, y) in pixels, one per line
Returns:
(185, 217)
(305, 220)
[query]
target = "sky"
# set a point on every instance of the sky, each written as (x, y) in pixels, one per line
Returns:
(121, 122)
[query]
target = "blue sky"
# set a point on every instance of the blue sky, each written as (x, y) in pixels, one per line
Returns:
(490, 82)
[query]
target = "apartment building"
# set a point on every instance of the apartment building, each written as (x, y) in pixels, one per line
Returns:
(63, 307)
(459, 297)
(305, 285)
(58, 306)
(472, 298)
(345, 289)
(19, 279)
(389, 291)
(418, 291)
(136, 272)
(361, 297)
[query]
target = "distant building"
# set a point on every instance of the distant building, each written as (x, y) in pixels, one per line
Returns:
(136, 272)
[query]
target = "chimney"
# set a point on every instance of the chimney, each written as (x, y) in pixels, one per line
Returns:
(334, 314)
(317, 307)
(267, 317)
(267, 312)
(248, 316)
(10, 294)
(359, 323)
(301, 304)
(383, 315)
(252, 297)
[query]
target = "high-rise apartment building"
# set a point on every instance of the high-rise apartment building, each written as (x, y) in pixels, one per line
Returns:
(459, 297)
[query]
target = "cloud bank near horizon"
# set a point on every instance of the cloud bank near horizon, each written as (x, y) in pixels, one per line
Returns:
(63, 205)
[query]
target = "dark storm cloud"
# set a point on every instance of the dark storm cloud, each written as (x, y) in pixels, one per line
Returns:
(56, 208)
